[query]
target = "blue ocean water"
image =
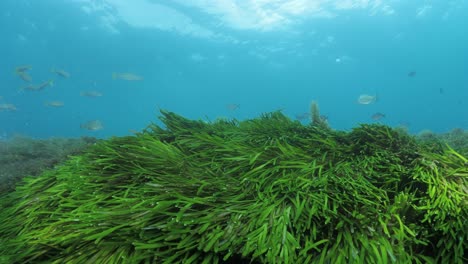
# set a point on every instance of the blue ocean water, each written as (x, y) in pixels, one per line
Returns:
(206, 59)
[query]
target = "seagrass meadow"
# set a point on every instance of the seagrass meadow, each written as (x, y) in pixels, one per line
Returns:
(264, 190)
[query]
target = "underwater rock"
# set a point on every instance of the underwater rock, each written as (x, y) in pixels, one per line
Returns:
(265, 190)
(21, 156)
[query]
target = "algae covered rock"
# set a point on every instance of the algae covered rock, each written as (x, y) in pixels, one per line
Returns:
(21, 156)
(266, 190)
(456, 138)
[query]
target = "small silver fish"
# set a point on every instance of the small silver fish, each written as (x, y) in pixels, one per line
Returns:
(411, 74)
(60, 72)
(366, 99)
(23, 68)
(302, 116)
(232, 107)
(39, 87)
(127, 76)
(91, 94)
(24, 76)
(92, 125)
(8, 107)
(54, 103)
(377, 116)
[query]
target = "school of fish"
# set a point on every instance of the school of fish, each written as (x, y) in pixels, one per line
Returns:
(24, 73)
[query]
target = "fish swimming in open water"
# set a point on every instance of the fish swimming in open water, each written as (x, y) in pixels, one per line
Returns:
(232, 107)
(8, 107)
(92, 125)
(23, 68)
(377, 116)
(60, 72)
(91, 94)
(303, 116)
(127, 76)
(366, 99)
(24, 76)
(38, 87)
(21, 71)
(54, 103)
